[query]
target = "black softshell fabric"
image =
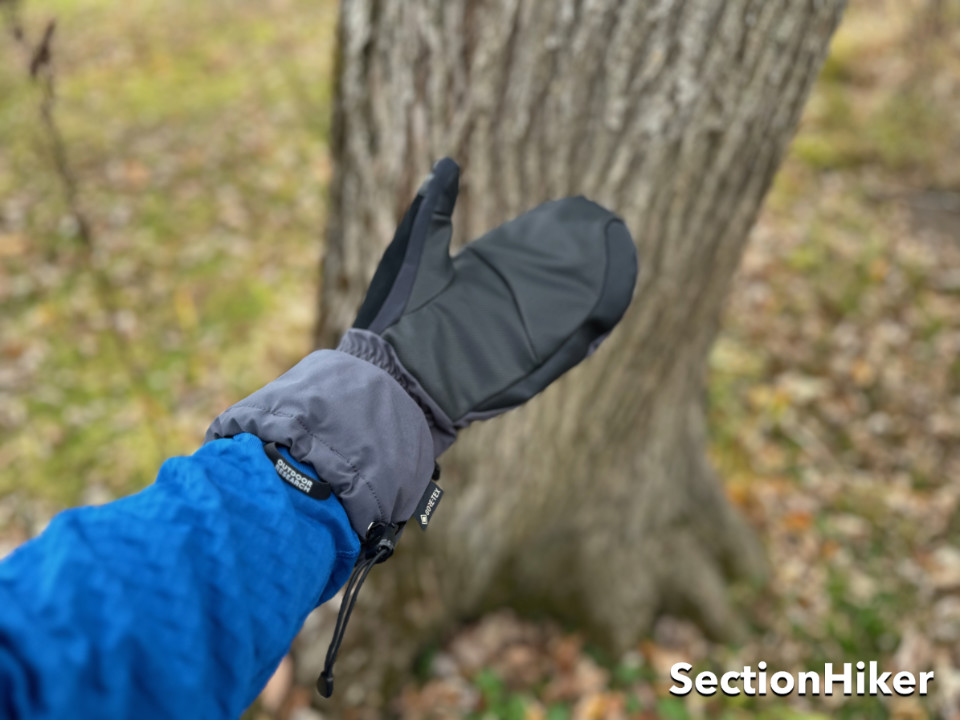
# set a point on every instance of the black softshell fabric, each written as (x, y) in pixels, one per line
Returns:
(535, 293)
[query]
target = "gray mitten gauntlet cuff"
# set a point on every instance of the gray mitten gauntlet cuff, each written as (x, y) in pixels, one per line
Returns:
(374, 349)
(353, 422)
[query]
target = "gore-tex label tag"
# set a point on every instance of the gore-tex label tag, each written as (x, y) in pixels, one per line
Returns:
(428, 503)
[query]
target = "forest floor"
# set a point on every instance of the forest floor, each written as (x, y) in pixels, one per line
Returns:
(197, 137)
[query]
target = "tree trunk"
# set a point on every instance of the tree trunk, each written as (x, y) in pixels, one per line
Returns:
(594, 503)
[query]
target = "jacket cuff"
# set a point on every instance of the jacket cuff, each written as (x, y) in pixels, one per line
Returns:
(353, 423)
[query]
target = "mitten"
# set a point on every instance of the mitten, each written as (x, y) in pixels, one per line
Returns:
(438, 343)
(473, 336)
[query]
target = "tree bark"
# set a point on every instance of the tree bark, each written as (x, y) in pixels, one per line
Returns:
(595, 503)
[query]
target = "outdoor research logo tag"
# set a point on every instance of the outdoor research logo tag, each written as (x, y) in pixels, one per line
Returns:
(428, 503)
(292, 476)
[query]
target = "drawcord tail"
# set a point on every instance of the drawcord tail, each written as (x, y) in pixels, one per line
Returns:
(379, 545)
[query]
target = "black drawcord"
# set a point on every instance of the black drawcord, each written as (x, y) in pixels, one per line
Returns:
(379, 545)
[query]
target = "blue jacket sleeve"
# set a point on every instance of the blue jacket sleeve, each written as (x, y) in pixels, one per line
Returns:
(178, 601)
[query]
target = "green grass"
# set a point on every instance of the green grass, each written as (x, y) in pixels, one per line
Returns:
(874, 105)
(197, 135)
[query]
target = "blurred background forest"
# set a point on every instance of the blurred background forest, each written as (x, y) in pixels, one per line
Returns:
(196, 140)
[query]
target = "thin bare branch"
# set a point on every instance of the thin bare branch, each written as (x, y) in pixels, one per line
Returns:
(41, 70)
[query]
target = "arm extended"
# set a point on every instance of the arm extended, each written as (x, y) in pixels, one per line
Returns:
(181, 600)
(178, 601)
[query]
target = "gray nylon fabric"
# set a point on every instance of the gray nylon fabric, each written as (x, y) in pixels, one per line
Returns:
(353, 422)
(371, 347)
